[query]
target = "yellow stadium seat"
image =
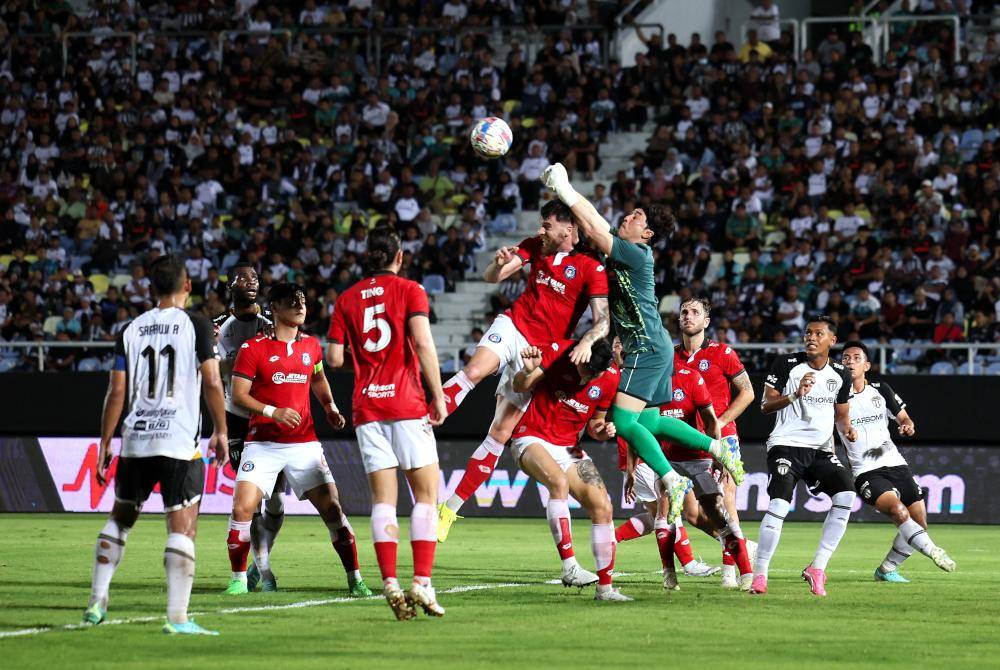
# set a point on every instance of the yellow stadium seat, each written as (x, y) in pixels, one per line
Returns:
(100, 282)
(509, 106)
(120, 280)
(528, 123)
(31, 258)
(6, 259)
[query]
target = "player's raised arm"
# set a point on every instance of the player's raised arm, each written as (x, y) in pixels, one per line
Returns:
(505, 262)
(591, 223)
(423, 343)
(532, 372)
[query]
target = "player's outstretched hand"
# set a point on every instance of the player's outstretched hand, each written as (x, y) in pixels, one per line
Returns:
(287, 417)
(532, 357)
(103, 462)
(438, 411)
(581, 353)
(505, 255)
(219, 445)
(555, 177)
(806, 384)
(335, 418)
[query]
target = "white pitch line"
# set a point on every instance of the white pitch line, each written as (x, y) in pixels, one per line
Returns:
(259, 608)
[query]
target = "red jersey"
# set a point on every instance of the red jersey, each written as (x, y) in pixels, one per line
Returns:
(372, 318)
(557, 292)
(718, 364)
(562, 404)
(690, 394)
(281, 373)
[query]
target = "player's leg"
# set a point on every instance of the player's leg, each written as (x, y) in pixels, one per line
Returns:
(424, 483)
(256, 477)
(784, 471)
(108, 552)
(918, 513)
(831, 478)
(586, 485)
(539, 462)
(895, 494)
(497, 347)
(263, 530)
(385, 531)
(695, 516)
(708, 491)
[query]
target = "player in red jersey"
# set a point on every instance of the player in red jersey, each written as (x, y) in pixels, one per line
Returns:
(691, 401)
(384, 319)
(732, 393)
(567, 398)
(561, 285)
(272, 378)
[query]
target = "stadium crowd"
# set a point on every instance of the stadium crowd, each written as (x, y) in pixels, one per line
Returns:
(827, 183)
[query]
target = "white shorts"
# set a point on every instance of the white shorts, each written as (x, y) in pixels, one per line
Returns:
(406, 444)
(303, 464)
(506, 341)
(565, 457)
(647, 484)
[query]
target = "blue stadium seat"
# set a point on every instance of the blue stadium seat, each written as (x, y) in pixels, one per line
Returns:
(942, 368)
(434, 284)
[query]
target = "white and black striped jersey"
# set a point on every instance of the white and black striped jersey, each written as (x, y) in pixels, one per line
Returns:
(161, 353)
(233, 332)
(871, 410)
(807, 422)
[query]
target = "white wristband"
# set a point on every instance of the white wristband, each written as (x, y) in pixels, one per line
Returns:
(568, 195)
(268, 411)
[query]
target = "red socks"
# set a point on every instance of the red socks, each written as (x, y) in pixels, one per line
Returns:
(385, 533)
(665, 542)
(557, 512)
(423, 540)
(736, 548)
(455, 391)
(344, 544)
(637, 526)
(239, 544)
(682, 546)
(479, 467)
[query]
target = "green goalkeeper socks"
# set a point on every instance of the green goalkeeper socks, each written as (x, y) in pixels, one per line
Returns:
(673, 430)
(629, 426)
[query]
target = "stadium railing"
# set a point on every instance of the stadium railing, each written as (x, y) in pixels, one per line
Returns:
(978, 357)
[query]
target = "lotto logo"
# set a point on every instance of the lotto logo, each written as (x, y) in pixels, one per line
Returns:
(272, 359)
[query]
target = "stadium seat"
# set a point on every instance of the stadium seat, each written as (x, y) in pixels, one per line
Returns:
(434, 284)
(49, 327)
(7, 364)
(89, 364)
(6, 259)
(119, 281)
(100, 282)
(669, 303)
(943, 368)
(993, 368)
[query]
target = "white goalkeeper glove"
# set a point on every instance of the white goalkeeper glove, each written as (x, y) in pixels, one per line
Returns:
(557, 180)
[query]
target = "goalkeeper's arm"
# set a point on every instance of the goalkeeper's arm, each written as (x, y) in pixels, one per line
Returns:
(591, 223)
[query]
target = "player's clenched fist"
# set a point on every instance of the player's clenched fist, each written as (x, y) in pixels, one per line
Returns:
(555, 176)
(806, 384)
(603, 430)
(334, 417)
(532, 357)
(505, 255)
(287, 417)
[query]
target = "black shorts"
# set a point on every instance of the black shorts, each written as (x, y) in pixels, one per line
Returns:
(899, 479)
(238, 427)
(181, 482)
(821, 471)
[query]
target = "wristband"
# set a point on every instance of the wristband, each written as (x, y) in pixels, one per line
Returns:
(268, 411)
(792, 397)
(568, 195)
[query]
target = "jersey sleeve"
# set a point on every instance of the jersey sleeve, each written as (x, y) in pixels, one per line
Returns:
(777, 377)
(416, 301)
(121, 361)
(844, 394)
(893, 403)
(555, 351)
(337, 333)
(204, 338)
(635, 256)
(700, 395)
(597, 283)
(732, 366)
(528, 248)
(246, 361)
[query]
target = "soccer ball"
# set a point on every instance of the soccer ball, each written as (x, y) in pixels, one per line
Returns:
(491, 137)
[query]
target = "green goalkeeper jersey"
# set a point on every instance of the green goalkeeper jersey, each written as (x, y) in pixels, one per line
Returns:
(634, 308)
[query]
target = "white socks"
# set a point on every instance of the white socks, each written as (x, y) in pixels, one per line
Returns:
(108, 552)
(602, 543)
(178, 560)
(834, 528)
(770, 534)
(264, 529)
(464, 384)
(642, 523)
(916, 536)
(899, 552)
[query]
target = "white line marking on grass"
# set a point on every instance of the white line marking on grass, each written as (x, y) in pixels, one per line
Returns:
(257, 608)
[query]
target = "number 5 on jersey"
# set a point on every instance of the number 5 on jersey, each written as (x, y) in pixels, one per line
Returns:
(373, 320)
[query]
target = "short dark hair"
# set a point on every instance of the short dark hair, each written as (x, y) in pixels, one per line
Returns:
(660, 220)
(167, 275)
(383, 245)
(601, 355)
(283, 291)
(705, 303)
(241, 265)
(557, 209)
(857, 344)
(823, 318)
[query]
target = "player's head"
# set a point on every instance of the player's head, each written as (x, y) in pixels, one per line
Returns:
(384, 250)
(243, 283)
(642, 225)
(168, 276)
(694, 316)
(601, 355)
(820, 336)
(855, 358)
(558, 226)
(288, 303)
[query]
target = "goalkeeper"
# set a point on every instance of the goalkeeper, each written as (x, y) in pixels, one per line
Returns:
(647, 351)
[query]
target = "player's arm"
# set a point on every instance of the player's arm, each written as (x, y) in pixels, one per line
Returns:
(423, 344)
(599, 428)
(114, 402)
(320, 387)
(335, 355)
(842, 417)
(906, 425)
(335, 337)
(505, 262)
(896, 408)
(713, 426)
(600, 329)
(207, 352)
(774, 400)
(591, 223)
(241, 396)
(528, 376)
(741, 399)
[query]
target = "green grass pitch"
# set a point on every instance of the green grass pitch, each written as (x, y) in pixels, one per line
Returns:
(509, 617)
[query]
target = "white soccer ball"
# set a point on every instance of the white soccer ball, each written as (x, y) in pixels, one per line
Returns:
(491, 137)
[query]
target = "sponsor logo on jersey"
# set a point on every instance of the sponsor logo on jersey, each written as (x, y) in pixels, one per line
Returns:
(247, 466)
(245, 345)
(594, 392)
(272, 359)
(831, 385)
(678, 395)
(600, 268)
(290, 378)
(377, 391)
(573, 403)
(783, 466)
(877, 402)
(772, 379)
(570, 272)
(729, 350)
(306, 359)
(673, 411)
(556, 285)
(494, 338)
(703, 365)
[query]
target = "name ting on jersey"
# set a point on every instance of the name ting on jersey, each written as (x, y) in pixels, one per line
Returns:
(290, 378)
(371, 292)
(551, 282)
(380, 391)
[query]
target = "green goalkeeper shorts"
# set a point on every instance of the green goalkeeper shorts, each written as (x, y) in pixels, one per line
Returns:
(646, 375)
